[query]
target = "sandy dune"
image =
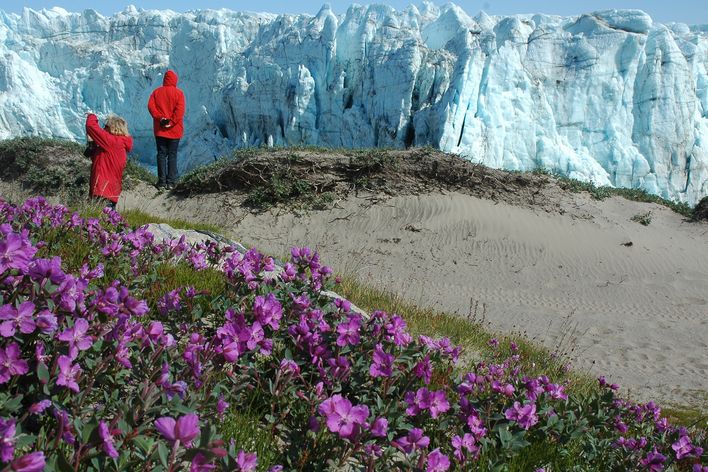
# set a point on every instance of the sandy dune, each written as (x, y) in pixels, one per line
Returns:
(628, 301)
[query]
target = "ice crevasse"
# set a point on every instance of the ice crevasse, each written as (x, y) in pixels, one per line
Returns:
(609, 97)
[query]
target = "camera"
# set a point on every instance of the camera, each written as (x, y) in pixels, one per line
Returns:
(164, 122)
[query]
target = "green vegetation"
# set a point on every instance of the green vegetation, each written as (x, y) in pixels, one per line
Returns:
(603, 192)
(643, 219)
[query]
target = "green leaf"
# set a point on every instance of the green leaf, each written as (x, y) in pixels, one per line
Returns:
(163, 453)
(43, 373)
(24, 440)
(62, 464)
(13, 404)
(88, 429)
(505, 437)
(144, 443)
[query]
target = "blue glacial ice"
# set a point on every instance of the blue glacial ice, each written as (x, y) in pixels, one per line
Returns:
(609, 97)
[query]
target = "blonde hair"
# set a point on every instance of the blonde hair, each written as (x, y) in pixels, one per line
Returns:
(117, 126)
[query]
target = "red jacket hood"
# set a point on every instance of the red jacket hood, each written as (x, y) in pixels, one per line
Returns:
(170, 79)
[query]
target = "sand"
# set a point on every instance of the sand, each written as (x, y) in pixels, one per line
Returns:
(623, 300)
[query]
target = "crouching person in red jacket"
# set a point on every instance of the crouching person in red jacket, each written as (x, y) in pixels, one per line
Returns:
(166, 106)
(109, 158)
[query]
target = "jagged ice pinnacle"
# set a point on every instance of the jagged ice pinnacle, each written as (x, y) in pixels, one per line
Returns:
(609, 96)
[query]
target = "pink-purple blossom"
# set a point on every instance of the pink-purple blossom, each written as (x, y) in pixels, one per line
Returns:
(525, 415)
(107, 442)
(342, 417)
(437, 461)
(32, 462)
(68, 373)
(654, 461)
(246, 461)
(17, 319)
(184, 429)
(379, 428)
(413, 441)
(382, 365)
(7, 439)
(16, 251)
(11, 364)
(349, 332)
(76, 337)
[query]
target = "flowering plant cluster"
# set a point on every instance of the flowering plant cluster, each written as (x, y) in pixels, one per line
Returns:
(103, 366)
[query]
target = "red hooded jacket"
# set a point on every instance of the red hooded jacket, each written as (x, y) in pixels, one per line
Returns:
(108, 162)
(167, 102)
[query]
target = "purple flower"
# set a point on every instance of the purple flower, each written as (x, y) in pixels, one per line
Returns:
(17, 319)
(342, 417)
(466, 442)
(46, 322)
(10, 362)
(438, 403)
(417, 402)
(289, 367)
(221, 406)
(39, 407)
(349, 332)
(7, 439)
(246, 461)
(683, 447)
(107, 440)
(556, 391)
(424, 369)
(396, 331)
(198, 260)
(76, 337)
(201, 463)
(67, 373)
(424, 399)
(437, 462)
(169, 302)
(524, 415)
(268, 310)
(380, 428)
(412, 442)
(47, 269)
(383, 362)
(16, 251)
(654, 461)
(32, 462)
(70, 293)
(476, 425)
(184, 430)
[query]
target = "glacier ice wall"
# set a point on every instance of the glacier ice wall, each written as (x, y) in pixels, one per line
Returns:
(608, 96)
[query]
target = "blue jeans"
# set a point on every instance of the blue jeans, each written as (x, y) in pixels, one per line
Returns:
(166, 160)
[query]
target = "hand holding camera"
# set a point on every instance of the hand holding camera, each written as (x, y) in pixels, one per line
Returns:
(165, 122)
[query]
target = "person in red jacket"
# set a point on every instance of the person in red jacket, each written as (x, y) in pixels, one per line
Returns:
(109, 157)
(166, 106)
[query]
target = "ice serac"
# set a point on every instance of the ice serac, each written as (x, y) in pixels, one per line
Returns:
(609, 96)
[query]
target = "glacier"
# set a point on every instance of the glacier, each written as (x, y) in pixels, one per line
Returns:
(610, 97)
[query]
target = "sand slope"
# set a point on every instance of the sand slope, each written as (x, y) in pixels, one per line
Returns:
(637, 313)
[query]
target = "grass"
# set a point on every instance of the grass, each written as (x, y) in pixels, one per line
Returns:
(603, 192)
(246, 429)
(136, 218)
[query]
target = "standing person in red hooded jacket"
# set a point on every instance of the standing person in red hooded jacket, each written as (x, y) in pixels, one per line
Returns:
(166, 106)
(108, 157)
